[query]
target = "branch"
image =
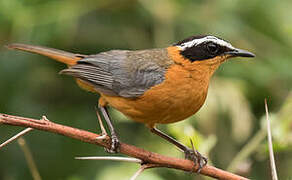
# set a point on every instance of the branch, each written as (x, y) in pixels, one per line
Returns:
(147, 157)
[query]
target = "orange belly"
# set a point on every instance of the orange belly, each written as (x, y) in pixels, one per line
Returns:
(180, 95)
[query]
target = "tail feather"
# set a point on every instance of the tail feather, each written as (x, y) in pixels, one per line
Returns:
(59, 55)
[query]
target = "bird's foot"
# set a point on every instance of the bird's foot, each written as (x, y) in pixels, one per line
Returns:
(196, 157)
(115, 145)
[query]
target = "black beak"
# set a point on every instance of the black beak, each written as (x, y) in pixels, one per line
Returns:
(239, 53)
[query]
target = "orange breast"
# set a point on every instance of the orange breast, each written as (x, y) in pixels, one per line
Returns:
(180, 95)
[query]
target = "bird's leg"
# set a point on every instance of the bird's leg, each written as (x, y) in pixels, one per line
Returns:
(190, 154)
(114, 138)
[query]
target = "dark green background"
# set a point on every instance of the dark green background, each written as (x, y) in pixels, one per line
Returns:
(231, 118)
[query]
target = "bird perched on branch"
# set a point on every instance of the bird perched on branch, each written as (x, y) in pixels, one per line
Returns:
(152, 86)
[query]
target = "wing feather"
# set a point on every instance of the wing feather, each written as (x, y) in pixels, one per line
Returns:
(120, 72)
(90, 73)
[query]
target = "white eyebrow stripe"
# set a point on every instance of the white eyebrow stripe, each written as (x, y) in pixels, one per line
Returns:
(213, 39)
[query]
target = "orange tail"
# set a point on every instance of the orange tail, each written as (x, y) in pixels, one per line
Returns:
(59, 55)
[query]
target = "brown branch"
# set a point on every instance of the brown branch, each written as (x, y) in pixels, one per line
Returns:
(146, 156)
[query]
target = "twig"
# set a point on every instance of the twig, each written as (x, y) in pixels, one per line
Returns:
(141, 169)
(146, 156)
(29, 159)
(270, 143)
(113, 158)
(15, 137)
(104, 133)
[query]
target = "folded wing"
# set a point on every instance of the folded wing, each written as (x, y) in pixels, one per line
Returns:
(120, 72)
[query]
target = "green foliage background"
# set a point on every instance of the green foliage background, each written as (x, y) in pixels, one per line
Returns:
(231, 120)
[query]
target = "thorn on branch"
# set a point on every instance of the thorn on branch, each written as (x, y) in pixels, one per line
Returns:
(13, 138)
(44, 118)
(112, 158)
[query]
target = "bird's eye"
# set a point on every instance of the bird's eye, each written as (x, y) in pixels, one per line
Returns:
(212, 48)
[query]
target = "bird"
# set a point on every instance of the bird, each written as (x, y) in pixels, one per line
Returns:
(150, 86)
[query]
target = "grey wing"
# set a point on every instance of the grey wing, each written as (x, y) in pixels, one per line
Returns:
(118, 72)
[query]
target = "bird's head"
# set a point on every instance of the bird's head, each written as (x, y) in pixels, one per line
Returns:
(204, 52)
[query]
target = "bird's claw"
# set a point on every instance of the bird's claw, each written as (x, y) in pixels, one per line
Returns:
(197, 158)
(115, 145)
